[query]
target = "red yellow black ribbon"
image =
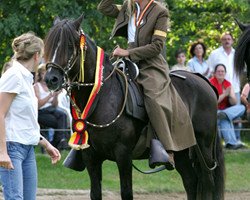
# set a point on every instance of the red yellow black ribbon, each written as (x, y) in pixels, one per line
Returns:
(79, 139)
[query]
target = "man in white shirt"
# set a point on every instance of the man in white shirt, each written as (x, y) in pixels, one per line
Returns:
(225, 55)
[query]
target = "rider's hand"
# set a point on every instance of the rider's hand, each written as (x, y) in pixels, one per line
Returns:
(120, 52)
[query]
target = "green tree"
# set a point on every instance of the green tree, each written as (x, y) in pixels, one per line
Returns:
(17, 17)
(190, 20)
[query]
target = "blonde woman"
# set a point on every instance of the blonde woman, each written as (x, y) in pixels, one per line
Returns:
(19, 129)
(144, 23)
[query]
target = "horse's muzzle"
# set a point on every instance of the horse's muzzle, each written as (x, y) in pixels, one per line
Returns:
(53, 82)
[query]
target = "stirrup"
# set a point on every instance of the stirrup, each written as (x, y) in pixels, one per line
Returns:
(158, 155)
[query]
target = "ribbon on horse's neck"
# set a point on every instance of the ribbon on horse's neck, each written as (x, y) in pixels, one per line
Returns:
(79, 139)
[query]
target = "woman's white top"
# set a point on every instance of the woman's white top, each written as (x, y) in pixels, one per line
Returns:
(44, 94)
(21, 121)
(132, 26)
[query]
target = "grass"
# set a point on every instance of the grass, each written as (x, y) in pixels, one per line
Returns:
(59, 177)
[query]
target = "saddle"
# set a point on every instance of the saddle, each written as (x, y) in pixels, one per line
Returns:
(135, 103)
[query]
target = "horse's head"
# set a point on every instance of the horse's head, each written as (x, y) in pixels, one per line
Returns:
(63, 54)
(242, 51)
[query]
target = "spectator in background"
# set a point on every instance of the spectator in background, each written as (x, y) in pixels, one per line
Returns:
(245, 98)
(64, 105)
(228, 110)
(198, 63)
(180, 56)
(225, 55)
(49, 116)
(19, 129)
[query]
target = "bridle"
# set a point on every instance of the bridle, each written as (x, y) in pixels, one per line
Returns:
(69, 84)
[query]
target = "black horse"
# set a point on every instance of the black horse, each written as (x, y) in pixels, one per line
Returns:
(242, 50)
(113, 134)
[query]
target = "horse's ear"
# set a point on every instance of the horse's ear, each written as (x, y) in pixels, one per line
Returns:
(241, 26)
(56, 20)
(78, 21)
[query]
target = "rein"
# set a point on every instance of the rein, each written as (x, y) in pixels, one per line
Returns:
(123, 105)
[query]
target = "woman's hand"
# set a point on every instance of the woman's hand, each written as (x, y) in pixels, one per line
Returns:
(53, 153)
(5, 161)
(51, 150)
(120, 52)
(227, 91)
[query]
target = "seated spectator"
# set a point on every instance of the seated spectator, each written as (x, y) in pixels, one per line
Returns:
(228, 109)
(180, 56)
(198, 63)
(245, 99)
(49, 116)
(64, 105)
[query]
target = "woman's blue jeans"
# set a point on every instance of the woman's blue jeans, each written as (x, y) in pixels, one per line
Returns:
(20, 183)
(226, 125)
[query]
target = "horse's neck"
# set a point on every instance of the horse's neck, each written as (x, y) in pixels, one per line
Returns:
(108, 101)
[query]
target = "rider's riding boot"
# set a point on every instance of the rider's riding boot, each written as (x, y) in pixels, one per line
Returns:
(159, 156)
(170, 164)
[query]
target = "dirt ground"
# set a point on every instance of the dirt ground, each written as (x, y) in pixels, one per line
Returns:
(45, 194)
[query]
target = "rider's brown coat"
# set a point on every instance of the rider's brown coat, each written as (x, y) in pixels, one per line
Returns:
(168, 114)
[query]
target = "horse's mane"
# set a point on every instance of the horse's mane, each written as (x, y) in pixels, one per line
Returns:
(66, 32)
(241, 51)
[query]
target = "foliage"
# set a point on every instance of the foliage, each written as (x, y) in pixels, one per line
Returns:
(191, 19)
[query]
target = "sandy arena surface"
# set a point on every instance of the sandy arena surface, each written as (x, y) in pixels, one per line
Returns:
(50, 194)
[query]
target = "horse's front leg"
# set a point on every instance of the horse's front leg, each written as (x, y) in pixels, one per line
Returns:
(124, 163)
(94, 167)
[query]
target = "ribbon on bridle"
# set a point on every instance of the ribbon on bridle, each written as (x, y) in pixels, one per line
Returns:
(82, 48)
(79, 139)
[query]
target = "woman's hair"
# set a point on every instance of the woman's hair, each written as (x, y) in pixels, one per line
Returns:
(26, 45)
(194, 44)
(220, 64)
(6, 66)
(41, 69)
(178, 52)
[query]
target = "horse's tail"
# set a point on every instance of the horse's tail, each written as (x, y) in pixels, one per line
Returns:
(241, 50)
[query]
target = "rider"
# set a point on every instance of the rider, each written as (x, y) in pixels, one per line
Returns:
(144, 23)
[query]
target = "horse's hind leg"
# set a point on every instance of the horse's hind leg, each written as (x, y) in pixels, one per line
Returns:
(189, 178)
(124, 163)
